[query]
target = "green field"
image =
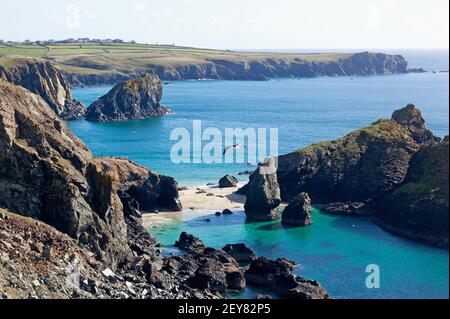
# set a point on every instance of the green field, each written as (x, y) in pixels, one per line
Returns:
(125, 58)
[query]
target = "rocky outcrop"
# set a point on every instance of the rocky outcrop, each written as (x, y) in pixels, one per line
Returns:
(190, 243)
(48, 174)
(228, 181)
(44, 79)
(364, 63)
(277, 274)
(360, 167)
(298, 212)
(419, 207)
(263, 194)
(131, 100)
(241, 252)
(207, 268)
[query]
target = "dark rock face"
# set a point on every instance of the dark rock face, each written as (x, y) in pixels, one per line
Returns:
(419, 207)
(298, 212)
(240, 252)
(364, 63)
(228, 181)
(48, 174)
(45, 80)
(190, 243)
(263, 194)
(362, 166)
(277, 274)
(131, 100)
(207, 268)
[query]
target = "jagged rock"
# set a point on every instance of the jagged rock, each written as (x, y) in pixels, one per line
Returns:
(419, 208)
(362, 166)
(263, 194)
(277, 274)
(131, 100)
(44, 79)
(411, 118)
(228, 181)
(240, 252)
(190, 243)
(298, 212)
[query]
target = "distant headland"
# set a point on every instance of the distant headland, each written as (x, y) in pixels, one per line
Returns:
(87, 62)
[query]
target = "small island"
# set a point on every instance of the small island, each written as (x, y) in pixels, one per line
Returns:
(131, 100)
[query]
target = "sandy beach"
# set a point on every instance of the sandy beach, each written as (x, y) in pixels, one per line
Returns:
(200, 200)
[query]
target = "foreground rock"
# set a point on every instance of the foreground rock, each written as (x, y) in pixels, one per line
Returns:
(263, 194)
(277, 274)
(241, 252)
(44, 79)
(228, 181)
(207, 268)
(190, 243)
(419, 208)
(131, 100)
(298, 212)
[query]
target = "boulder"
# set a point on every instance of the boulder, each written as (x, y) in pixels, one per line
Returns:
(277, 275)
(240, 252)
(228, 181)
(298, 212)
(130, 100)
(263, 194)
(190, 243)
(227, 212)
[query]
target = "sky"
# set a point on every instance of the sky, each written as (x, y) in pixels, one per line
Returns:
(235, 24)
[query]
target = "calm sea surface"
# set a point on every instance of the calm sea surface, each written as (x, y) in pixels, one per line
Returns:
(335, 250)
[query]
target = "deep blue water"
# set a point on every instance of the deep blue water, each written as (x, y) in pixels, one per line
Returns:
(335, 250)
(305, 111)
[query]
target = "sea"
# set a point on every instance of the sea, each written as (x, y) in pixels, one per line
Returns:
(335, 250)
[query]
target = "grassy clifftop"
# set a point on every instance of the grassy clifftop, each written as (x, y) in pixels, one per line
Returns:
(92, 64)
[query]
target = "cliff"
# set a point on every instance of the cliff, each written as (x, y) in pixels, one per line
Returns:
(48, 174)
(238, 67)
(130, 100)
(419, 207)
(44, 79)
(360, 167)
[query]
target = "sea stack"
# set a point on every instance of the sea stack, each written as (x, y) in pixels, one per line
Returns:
(263, 194)
(298, 212)
(135, 99)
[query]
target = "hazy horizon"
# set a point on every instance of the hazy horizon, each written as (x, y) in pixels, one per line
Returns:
(237, 25)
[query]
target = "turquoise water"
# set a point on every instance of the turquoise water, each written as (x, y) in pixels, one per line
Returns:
(335, 250)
